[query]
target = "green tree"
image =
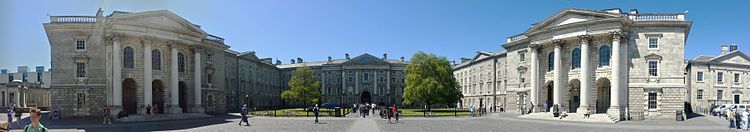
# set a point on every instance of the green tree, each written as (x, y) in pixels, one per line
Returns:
(430, 80)
(305, 88)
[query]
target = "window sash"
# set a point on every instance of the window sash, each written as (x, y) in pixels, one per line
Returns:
(80, 70)
(736, 77)
(719, 94)
(652, 100)
(720, 77)
(699, 94)
(653, 68)
(80, 45)
(699, 76)
(653, 43)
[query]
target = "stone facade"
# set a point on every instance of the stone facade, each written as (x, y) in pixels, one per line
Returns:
(716, 80)
(482, 80)
(627, 65)
(252, 81)
(363, 79)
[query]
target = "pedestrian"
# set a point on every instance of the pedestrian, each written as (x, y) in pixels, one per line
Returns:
(588, 113)
(154, 109)
(730, 118)
(471, 110)
(148, 111)
(243, 113)
(316, 110)
(394, 110)
(107, 115)
(743, 117)
(35, 125)
(502, 108)
(546, 107)
(531, 107)
(737, 119)
(10, 117)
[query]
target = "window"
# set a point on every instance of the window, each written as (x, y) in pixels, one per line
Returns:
(366, 76)
(719, 94)
(551, 61)
(699, 94)
(80, 69)
(699, 76)
(209, 77)
(522, 56)
(652, 100)
(209, 58)
(81, 100)
(128, 60)
(521, 78)
(576, 58)
(720, 77)
(156, 59)
(653, 68)
(350, 79)
(736, 78)
(10, 77)
(653, 43)
(180, 62)
(80, 45)
(604, 55)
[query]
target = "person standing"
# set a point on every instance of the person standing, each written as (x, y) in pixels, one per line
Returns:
(154, 109)
(35, 125)
(316, 110)
(148, 111)
(730, 118)
(743, 117)
(243, 113)
(471, 110)
(10, 117)
(394, 110)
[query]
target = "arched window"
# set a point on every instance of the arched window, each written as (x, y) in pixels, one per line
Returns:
(551, 61)
(180, 62)
(128, 58)
(604, 55)
(576, 59)
(156, 59)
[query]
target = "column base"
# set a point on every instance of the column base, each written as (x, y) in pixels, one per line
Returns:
(141, 109)
(174, 109)
(616, 112)
(198, 109)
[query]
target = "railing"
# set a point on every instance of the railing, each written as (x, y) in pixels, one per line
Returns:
(659, 17)
(73, 19)
(516, 37)
(215, 38)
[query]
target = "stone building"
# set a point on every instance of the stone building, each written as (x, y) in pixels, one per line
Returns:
(130, 60)
(628, 65)
(722, 79)
(362, 79)
(25, 88)
(252, 81)
(482, 80)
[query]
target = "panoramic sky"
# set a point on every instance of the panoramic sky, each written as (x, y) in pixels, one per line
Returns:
(316, 29)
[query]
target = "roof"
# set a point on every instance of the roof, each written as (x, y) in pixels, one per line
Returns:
(703, 58)
(335, 62)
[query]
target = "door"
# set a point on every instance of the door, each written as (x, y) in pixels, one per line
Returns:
(736, 99)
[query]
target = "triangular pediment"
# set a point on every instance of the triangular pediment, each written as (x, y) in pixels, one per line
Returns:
(366, 59)
(568, 16)
(160, 17)
(481, 55)
(736, 57)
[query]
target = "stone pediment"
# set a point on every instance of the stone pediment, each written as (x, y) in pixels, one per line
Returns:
(160, 17)
(366, 59)
(736, 57)
(481, 55)
(568, 16)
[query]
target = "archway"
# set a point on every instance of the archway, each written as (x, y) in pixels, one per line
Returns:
(365, 97)
(603, 95)
(157, 95)
(129, 99)
(550, 95)
(574, 95)
(183, 97)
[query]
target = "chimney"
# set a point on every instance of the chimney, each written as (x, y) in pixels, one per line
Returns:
(347, 55)
(724, 49)
(732, 47)
(402, 58)
(385, 56)
(292, 61)
(299, 60)
(330, 59)
(278, 62)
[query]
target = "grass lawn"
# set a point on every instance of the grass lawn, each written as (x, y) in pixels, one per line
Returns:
(436, 112)
(294, 112)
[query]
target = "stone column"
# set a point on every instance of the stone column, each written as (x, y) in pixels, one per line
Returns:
(586, 81)
(174, 90)
(616, 83)
(534, 72)
(197, 107)
(375, 80)
(146, 72)
(558, 77)
(117, 73)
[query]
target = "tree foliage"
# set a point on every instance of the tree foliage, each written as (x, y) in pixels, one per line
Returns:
(430, 80)
(304, 87)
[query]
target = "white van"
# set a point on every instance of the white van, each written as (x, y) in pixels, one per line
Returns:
(740, 107)
(720, 111)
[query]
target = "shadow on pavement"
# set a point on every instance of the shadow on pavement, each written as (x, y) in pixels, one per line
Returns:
(95, 124)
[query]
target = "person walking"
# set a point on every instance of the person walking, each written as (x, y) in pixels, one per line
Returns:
(107, 115)
(394, 110)
(148, 111)
(10, 117)
(155, 109)
(730, 118)
(316, 110)
(743, 117)
(471, 111)
(243, 113)
(35, 125)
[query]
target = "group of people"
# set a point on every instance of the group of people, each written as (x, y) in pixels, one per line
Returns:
(151, 110)
(16, 112)
(13, 112)
(364, 109)
(474, 111)
(738, 118)
(389, 113)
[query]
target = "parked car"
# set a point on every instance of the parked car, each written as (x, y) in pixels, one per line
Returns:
(721, 110)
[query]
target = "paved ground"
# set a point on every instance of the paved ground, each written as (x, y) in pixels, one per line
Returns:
(494, 122)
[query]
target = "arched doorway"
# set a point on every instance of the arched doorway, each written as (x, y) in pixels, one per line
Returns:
(157, 95)
(603, 95)
(183, 97)
(550, 95)
(574, 95)
(129, 99)
(365, 97)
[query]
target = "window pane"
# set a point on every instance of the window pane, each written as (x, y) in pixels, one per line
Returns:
(128, 57)
(80, 70)
(652, 68)
(604, 55)
(699, 76)
(156, 60)
(576, 55)
(652, 100)
(180, 62)
(653, 42)
(80, 45)
(551, 61)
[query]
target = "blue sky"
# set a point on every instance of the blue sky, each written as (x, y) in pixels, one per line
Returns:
(316, 29)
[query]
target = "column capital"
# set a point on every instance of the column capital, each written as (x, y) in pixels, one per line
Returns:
(617, 35)
(585, 38)
(113, 36)
(558, 42)
(196, 48)
(172, 44)
(534, 47)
